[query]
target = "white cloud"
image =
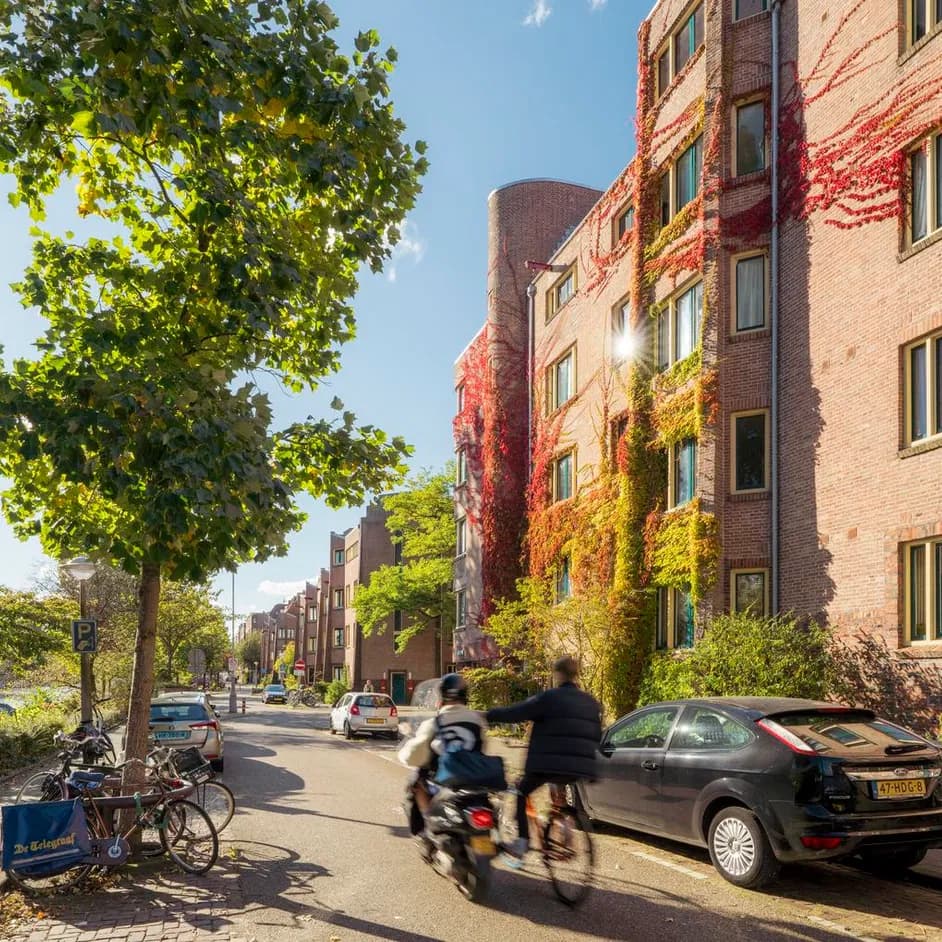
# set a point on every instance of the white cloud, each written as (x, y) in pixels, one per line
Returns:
(282, 589)
(410, 245)
(596, 4)
(539, 14)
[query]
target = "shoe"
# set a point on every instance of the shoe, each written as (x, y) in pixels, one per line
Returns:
(514, 852)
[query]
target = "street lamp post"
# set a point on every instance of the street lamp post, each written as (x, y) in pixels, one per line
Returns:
(81, 569)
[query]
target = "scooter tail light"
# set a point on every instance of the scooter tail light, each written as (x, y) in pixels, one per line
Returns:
(787, 737)
(481, 818)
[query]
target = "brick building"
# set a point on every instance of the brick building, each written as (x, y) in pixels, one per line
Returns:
(769, 332)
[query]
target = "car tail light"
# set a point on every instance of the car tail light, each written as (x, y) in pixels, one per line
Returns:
(481, 818)
(208, 724)
(821, 843)
(354, 710)
(393, 711)
(786, 736)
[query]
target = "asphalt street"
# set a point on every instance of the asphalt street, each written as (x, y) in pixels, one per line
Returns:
(321, 845)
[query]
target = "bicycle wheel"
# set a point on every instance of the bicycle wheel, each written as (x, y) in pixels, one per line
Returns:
(217, 801)
(43, 786)
(188, 837)
(568, 854)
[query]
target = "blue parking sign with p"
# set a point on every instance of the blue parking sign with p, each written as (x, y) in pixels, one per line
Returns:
(85, 636)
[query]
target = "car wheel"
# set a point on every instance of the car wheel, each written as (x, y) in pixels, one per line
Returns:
(217, 764)
(347, 732)
(890, 861)
(739, 848)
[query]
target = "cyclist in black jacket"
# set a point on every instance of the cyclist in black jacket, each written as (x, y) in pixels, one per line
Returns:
(564, 741)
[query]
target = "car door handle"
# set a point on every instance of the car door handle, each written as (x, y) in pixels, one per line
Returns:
(649, 764)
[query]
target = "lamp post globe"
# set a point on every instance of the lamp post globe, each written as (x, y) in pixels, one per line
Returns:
(80, 568)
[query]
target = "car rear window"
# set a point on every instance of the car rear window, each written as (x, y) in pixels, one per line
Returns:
(274, 688)
(177, 712)
(374, 702)
(851, 732)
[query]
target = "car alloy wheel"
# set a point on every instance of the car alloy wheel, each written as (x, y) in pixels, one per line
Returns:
(734, 846)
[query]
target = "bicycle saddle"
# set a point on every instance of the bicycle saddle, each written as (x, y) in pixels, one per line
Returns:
(85, 780)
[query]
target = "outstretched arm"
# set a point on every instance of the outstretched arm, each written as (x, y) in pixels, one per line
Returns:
(523, 712)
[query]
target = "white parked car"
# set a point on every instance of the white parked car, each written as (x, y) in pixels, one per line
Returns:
(358, 713)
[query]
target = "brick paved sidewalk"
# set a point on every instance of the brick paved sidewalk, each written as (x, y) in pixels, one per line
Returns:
(147, 903)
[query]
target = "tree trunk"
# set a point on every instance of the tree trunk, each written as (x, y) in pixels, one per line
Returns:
(142, 680)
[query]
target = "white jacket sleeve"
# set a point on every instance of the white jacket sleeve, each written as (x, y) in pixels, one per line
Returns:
(417, 751)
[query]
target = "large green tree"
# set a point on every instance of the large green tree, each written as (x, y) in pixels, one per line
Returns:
(422, 522)
(33, 629)
(245, 170)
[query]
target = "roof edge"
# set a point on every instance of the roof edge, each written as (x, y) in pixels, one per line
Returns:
(512, 183)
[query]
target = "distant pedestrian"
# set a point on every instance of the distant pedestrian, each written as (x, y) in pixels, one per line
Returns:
(368, 687)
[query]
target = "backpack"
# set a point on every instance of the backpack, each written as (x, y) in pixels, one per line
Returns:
(459, 767)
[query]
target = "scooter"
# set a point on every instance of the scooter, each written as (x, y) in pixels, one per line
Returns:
(458, 840)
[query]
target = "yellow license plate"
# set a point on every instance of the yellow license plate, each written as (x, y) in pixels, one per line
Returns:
(378, 722)
(902, 788)
(483, 845)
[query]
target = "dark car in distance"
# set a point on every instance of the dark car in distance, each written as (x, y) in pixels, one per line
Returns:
(764, 781)
(275, 693)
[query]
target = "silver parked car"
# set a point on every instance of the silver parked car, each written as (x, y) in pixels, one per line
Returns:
(358, 713)
(181, 720)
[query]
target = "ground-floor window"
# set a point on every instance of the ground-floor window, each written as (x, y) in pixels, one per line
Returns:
(749, 591)
(675, 620)
(338, 672)
(923, 581)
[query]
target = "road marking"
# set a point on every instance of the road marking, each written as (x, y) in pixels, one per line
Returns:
(670, 865)
(838, 928)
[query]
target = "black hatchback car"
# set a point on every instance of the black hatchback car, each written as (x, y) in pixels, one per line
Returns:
(760, 781)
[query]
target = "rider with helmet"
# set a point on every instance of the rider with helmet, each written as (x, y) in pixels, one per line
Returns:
(455, 727)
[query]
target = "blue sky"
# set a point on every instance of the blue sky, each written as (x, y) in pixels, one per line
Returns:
(501, 90)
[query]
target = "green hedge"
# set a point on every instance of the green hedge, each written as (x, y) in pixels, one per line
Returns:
(27, 735)
(497, 686)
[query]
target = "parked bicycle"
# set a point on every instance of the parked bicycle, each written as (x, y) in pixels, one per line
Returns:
(562, 838)
(50, 785)
(86, 835)
(302, 695)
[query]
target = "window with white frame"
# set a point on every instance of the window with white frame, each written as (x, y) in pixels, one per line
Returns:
(563, 580)
(461, 608)
(563, 289)
(682, 486)
(624, 223)
(675, 623)
(338, 637)
(340, 672)
(923, 388)
(461, 536)
(338, 557)
(461, 466)
(922, 17)
(750, 441)
(749, 591)
(338, 598)
(750, 138)
(746, 8)
(750, 287)
(923, 597)
(678, 326)
(925, 193)
(561, 381)
(686, 38)
(312, 613)
(562, 476)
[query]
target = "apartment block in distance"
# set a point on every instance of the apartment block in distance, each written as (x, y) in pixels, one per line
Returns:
(791, 359)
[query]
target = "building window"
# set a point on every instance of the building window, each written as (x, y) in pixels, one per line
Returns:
(624, 223)
(461, 536)
(461, 467)
(750, 451)
(339, 672)
(562, 470)
(622, 344)
(312, 645)
(663, 340)
(923, 574)
(311, 613)
(563, 581)
(397, 622)
(925, 197)
(750, 138)
(352, 552)
(689, 38)
(338, 557)
(751, 292)
(683, 620)
(561, 292)
(663, 72)
(748, 591)
(338, 637)
(338, 598)
(560, 381)
(461, 608)
(688, 310)
(397, 551)
(745, 8)
(683, 481)
(661, 634)
(459, 399)
(665, 199)
(923, 16)
(687, 173)
(923, 387)
(348, 596)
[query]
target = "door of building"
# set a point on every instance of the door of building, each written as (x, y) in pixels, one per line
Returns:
(397, 684)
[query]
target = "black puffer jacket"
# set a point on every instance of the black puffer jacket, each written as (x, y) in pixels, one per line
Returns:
(567, 729)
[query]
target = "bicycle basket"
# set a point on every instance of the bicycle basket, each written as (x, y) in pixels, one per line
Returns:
(44, 838)
(191, 765)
